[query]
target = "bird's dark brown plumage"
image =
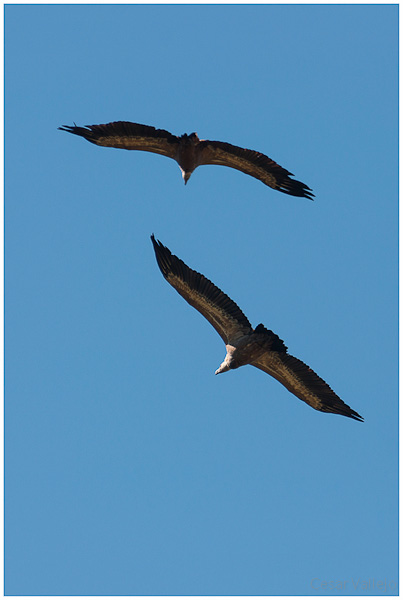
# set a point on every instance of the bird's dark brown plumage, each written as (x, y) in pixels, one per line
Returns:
(190, 152)
(259, 347)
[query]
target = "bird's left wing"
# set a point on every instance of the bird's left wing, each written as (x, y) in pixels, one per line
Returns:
(304, 383)
(222, 312)
(252, 163)
(129, 136)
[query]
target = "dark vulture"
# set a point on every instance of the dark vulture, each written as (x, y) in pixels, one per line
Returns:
(258, 347)
(190, 152)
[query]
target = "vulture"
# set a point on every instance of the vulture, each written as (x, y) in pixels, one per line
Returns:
(258, 347)
(190, 152)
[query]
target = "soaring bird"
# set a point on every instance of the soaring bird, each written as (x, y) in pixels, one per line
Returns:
(190, 152)
(258, 347)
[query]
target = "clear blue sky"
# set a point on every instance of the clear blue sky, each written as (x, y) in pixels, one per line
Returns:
(131, 468)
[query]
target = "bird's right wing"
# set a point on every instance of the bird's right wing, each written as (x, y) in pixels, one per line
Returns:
(129, 136)
(304, 383)
(222, 312)
(252, 163)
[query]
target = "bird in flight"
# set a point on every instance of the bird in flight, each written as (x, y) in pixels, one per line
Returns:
(191, 152)
(258, 347)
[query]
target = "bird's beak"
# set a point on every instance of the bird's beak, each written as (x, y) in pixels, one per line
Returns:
(222, 369)
(186, 176)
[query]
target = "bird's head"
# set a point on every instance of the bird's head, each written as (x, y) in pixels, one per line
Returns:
(186, 176)
(223, 368)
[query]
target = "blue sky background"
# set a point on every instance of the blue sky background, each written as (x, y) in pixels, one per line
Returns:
(131, 468)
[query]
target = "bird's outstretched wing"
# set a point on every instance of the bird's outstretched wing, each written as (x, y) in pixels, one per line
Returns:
(304, 383)
(222, 312)
(252, 163)
(129, 136)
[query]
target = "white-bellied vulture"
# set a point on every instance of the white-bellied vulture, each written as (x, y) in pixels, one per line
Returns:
(258, 347)
(190, 152)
